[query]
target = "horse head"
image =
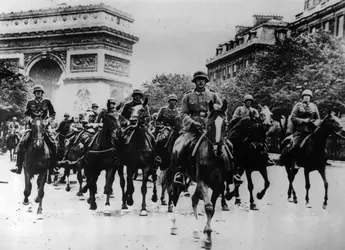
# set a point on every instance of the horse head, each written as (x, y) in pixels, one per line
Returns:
(265, 116)
(332, 125)
(139, 113)
(37, 132)
(216, 125)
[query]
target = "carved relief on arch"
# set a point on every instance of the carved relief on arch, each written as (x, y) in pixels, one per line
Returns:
(83, 101)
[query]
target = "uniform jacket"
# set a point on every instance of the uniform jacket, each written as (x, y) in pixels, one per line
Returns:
(243, 111)
(195, 106)
(40, 108)
(104, 113)
(127, 110)
(169, 117)
(303, 111)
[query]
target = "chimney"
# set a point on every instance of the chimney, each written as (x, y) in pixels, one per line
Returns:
(240, 29)
(259, 19)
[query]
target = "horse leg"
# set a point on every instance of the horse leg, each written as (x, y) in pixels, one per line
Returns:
(195, 201)
(92, 184)
(65, 173)
(143, 211)
(68, 185)
(291, 173)
(80, 181)
(28, 187)
(154, 180)
(41, 180)
(122, 184)
(49, 176)
(209, 210)
(264, 175)
(224, 205)
(109, 179)
(307, 187)
(325, 182)
(187, 194)
(130, 187)
(250, 189)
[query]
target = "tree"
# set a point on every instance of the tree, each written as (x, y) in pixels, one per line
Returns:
(310, 61)
(13, 91)
(162, 85)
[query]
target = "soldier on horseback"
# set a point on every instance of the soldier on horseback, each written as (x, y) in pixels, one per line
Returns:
(305, 118)
(37, 107)
(111, 110)
(94, 110)
(194, 110)
(169, 115)
(64, 126)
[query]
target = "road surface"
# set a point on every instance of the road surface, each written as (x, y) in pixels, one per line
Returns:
(68, 223)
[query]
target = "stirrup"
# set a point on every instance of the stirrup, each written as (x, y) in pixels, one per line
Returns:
(237, 179)
(177, 181)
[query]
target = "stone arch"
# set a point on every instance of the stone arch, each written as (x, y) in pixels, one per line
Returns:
(39, 57)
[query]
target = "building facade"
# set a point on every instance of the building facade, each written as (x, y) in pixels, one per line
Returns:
(325, 15)
(239, 52)
(80, 54)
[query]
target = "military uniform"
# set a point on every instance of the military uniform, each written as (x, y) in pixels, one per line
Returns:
(14, 125)
(243, 111)
(42, 108)
(169, 117)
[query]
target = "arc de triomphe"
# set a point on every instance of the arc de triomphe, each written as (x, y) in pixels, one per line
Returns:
(80, 54)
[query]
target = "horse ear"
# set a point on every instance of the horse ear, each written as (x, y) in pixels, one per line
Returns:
(210, 106)
(224, 106)
(146, 100)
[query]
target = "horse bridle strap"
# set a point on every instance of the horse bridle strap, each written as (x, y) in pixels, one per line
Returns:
(102, 151)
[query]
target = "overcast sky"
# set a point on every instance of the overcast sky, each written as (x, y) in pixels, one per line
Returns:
(178, 36)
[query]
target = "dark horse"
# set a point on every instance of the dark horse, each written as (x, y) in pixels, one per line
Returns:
(311, 155)
(12, 142)
(211, 166)
(36, 161)
(165, 140)
(248, 136)
(103, 153)
(139, 154)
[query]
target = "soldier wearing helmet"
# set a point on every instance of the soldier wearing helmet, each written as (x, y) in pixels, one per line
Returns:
(43, 108)
(111, 110)
(137, 96)
(169, 115)
(305, 117)
(194, 111)
(246, 109)
(65, 125)
(94, 112)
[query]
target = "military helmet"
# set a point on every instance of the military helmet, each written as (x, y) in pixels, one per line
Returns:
(200, 74)
(137, 92)
(111, 100)
(66, 114)
(38, 87)
(14, 118)
(172, 97)
(248, 97)
(94, 105)
(307, 92)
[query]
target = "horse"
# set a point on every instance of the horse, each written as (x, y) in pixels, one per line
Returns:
(12, 142)
(211, 163)
(248, 135)
(104, 153)
(165, 140)
(36, 161)
(311, 156)
(139, 154)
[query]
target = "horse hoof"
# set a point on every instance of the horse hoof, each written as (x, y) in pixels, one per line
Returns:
(228, 196)
(143, 213)
(164, 203)
(84, 189)
(259, 196)
(37, 200)
(88, 201)
(93, 206)
(79, 194)
(173, 231)
(130, 201)
(307, 205)
(207, 244)
(187, 194)
(170, 209)
(39, 211)
(25, 203)
(154, 198)
(68, 188)
(124, 207)
(238, 201)
(62, 181)
(253, 206)
(225, 208)
(49, 182)
(324, 206)
(295, 201)
(196, 235)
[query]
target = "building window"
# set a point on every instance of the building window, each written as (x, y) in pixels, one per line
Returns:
(326, 26)
(316, 2)
(246, 63)
(224, 73)
(340, 26)
(313, 30)
(234, 70)
(229, 71)
(118, 20)
(214, 75)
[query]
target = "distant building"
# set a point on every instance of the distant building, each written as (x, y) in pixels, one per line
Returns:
(238, 53)
(325, 15)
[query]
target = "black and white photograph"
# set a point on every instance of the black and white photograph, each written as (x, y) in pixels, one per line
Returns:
(172, 124)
